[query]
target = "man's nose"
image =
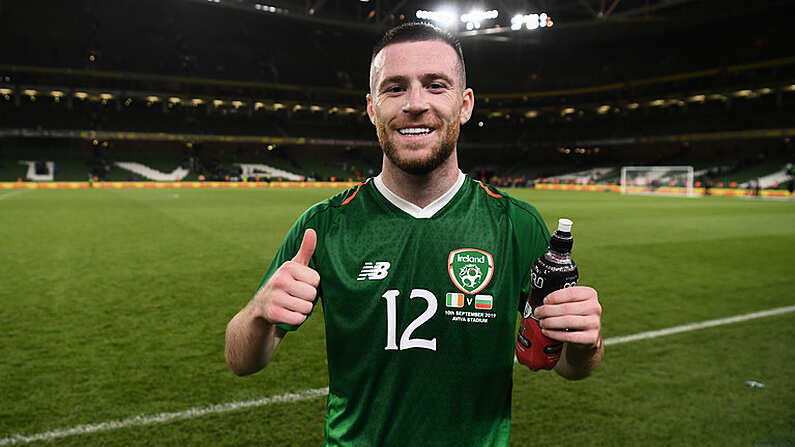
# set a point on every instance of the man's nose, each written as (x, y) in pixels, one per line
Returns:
(416, 101)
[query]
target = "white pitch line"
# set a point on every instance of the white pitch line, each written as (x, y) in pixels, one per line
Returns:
(318, 392)
(163, 417)
(12, 193)
(695, 326)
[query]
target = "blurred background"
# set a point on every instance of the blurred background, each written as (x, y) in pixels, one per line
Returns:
(566, 91)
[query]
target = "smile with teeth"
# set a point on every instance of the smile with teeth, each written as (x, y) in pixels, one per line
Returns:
(415, 130)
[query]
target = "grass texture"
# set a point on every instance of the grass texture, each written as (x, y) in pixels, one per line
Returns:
(113, 304)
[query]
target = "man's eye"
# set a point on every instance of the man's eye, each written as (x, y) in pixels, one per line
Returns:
(394, 89)
(436, 86)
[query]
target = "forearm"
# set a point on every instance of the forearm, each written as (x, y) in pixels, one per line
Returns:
(577, 361)
(250, 342)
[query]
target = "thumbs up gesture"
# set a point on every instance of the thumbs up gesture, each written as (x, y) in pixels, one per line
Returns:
(288, 295)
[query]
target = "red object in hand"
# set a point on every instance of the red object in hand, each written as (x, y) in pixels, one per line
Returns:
(535, 349)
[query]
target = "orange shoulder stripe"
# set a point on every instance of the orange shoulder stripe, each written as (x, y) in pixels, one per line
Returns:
(488, 191)
(346, 201)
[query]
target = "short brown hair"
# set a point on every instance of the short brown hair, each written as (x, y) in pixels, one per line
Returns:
(421, 31)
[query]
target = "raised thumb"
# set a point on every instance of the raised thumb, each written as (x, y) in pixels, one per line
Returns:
(307, 247)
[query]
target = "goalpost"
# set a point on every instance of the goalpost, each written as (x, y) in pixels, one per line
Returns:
(670, 180)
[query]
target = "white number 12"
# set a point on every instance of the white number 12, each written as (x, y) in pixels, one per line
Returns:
(406, 342)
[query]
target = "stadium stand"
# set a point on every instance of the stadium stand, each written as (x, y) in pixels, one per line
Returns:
(84, 95)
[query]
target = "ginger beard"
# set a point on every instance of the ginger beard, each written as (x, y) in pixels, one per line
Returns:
(425, 163)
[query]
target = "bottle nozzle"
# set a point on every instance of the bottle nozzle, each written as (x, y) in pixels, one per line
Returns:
(564, 225)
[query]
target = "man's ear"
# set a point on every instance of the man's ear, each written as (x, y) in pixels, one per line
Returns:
(467, 106)
(370, 111)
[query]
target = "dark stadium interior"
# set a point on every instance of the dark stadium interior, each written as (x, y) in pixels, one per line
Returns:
(705, 83)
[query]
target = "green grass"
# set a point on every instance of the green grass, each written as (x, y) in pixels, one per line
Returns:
(113, 304)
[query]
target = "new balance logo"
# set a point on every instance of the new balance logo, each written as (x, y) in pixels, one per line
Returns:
(374, 270)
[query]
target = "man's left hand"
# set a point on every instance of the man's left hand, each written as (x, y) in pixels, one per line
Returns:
(572, 315)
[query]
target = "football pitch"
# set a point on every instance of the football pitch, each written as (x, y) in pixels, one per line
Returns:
(113, 306)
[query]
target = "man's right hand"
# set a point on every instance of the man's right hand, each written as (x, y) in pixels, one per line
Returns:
(289, 294)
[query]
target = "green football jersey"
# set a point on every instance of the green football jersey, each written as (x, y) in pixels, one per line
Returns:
(420, 311)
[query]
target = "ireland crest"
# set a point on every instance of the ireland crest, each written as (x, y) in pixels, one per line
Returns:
(470, 269)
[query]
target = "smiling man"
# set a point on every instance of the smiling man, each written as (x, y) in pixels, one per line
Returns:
(421, 272)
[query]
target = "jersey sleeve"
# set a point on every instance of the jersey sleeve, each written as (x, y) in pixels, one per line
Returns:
(288, 249)
(532, 240)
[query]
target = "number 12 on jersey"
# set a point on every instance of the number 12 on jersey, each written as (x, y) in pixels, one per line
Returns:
(406, 342)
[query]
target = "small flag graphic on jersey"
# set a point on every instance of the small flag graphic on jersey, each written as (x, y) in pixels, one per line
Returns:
(483, 302)
(455, 299)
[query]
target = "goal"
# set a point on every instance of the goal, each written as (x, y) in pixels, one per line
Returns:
(671, 180)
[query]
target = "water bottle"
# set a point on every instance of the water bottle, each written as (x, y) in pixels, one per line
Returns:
(553, 271)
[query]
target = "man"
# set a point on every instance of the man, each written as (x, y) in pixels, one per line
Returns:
(421, 271)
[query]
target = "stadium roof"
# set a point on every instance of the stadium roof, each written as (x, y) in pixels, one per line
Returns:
(581, 19)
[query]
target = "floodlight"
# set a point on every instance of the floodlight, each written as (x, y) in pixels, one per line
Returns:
(530, 21)
(443, 17)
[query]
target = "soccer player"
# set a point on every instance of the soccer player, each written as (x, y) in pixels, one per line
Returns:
(421, 272)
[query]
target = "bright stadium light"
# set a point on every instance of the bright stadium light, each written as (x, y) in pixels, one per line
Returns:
(531, 21)
(273, 9)
(475, 17)
(444, 18)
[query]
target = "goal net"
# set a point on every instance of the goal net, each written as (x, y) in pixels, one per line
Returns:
(671, 180)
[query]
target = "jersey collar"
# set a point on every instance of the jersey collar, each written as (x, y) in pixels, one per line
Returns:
(412, 209)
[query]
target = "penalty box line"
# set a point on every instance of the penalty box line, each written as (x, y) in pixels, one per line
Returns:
(318, 392)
